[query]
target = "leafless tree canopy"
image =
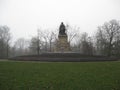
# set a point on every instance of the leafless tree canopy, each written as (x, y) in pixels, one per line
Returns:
(108, 37)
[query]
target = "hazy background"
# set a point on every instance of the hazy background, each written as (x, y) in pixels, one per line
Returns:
(25, 16)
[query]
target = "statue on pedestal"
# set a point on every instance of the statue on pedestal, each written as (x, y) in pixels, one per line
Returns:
(62, 29)
(62, 44)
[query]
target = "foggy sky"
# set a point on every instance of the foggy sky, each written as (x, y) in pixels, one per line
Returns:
(25, 16)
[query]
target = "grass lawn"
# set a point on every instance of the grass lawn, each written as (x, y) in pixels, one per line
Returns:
(59, 76)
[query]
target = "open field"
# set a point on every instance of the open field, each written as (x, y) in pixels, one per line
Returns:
(59, 76)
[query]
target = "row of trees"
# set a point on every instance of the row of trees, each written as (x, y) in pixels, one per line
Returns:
(108, 38)
(5, 37)
(106, 41)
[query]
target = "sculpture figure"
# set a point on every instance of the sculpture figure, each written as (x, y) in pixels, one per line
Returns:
(62, 29)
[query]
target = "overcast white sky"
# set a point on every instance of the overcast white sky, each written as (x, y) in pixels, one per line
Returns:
(25, 16)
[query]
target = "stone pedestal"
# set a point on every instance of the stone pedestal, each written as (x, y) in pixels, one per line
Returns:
(62, 44)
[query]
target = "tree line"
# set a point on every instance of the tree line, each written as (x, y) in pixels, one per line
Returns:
(105, 41)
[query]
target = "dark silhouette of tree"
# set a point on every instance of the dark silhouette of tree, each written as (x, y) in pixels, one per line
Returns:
(106, 36)
(5, 37)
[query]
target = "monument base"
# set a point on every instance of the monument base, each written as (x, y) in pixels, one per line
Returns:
(63, 57)
(62, 45)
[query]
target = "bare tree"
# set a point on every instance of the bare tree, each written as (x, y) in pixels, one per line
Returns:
(5, 37)
(86, 44)
(36, 43)
(20, 47)
(116, 46)
(72, 33)
(100, 42)
(106, 35)
(49, 37)
(33, 45)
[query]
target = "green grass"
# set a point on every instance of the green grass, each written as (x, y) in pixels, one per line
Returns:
(59, 76)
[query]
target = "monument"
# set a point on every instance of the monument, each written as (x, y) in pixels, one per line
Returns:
(63, 53)
(62, 44)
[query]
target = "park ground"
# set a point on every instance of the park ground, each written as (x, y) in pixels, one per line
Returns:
(16, 75)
